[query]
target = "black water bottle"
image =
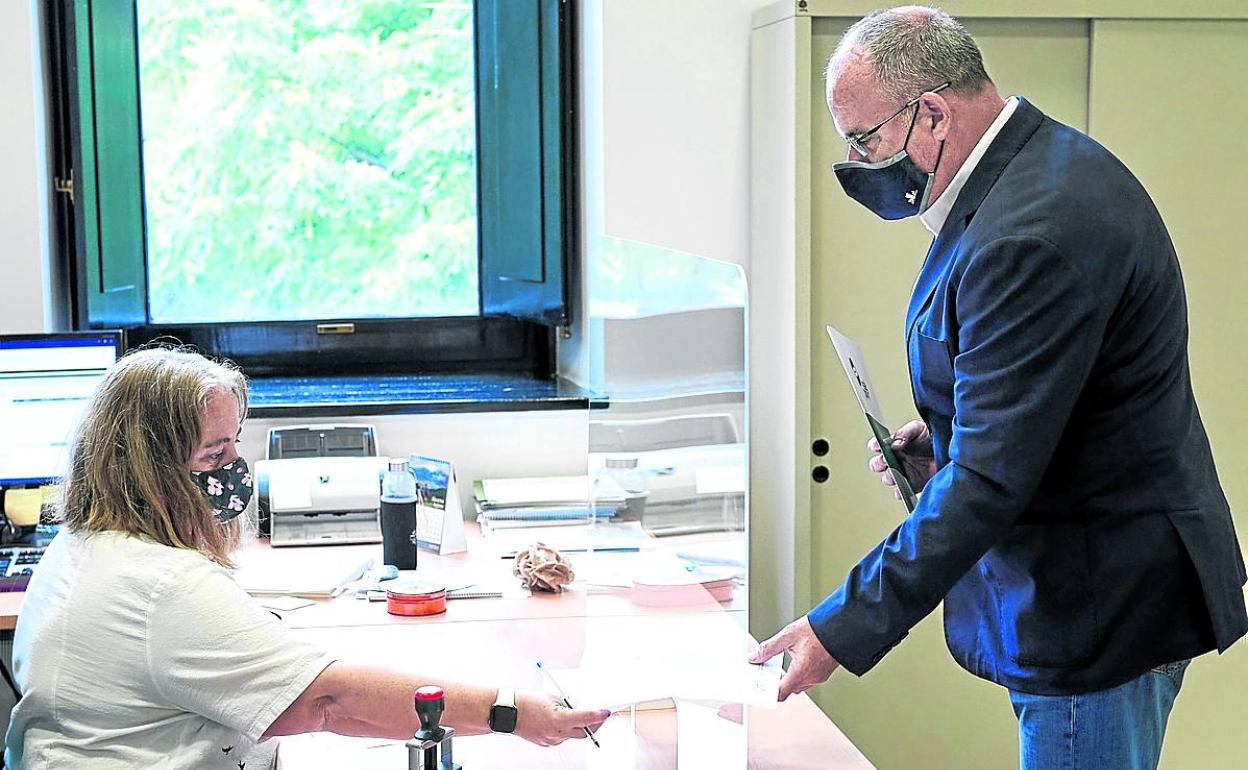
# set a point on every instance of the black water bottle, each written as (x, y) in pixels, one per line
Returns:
(398, 516)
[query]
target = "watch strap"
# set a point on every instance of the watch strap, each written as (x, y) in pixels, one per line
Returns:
(503, 713)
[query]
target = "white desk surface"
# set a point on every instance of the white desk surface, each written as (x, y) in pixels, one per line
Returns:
(488, 641)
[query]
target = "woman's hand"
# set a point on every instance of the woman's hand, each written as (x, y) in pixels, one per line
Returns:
(544, 720)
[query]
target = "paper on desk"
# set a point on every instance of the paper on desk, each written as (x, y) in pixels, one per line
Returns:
(706, 739)
(284, 603)
(618, 670)
(628, 683)
(650, 568)
(608, 536)
(322, 580)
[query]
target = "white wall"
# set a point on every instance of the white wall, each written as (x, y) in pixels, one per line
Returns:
(24, 270)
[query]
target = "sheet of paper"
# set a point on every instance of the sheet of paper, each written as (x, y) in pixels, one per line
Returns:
(707, 739)
(260, 579)
(284, 603)
(622, 666)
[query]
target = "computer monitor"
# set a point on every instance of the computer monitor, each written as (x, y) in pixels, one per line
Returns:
(46, 381)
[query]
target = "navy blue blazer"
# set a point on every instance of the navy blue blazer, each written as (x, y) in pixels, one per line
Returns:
(1076, 528)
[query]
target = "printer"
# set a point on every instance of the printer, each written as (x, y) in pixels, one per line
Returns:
(320, 485)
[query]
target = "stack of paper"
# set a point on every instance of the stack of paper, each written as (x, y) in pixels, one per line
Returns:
(569, 513)
(536, 501)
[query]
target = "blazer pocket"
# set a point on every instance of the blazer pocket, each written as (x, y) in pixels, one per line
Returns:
(1046, 598)
(932, 364)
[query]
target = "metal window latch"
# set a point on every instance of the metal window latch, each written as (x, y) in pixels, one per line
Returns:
(65, 186)
(335, 328)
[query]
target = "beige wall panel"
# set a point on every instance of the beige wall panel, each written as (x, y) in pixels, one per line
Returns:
(917, 708)
(1169, 98)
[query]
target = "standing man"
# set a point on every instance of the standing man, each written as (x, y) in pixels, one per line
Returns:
(1071, 517)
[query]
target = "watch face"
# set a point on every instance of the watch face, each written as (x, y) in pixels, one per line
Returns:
(503, 719)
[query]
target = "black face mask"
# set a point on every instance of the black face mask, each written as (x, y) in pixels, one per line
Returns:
(892, 189)
(227, 488)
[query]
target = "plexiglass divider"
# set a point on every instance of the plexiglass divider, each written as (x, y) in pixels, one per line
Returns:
(667, 460)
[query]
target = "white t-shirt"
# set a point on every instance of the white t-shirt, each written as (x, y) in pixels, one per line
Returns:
(132, 654)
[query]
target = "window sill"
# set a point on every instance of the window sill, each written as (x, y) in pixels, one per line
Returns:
(360, 395)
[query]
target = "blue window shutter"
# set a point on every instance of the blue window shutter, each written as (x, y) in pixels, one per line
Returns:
(526, 157)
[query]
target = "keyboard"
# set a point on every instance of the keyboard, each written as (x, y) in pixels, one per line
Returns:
(17, 564)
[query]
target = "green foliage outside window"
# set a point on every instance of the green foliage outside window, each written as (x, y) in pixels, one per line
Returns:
(308, 159)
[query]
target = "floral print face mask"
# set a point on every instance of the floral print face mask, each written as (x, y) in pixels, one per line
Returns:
(227, 488)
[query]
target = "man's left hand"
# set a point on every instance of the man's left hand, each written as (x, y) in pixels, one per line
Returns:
(811, 664)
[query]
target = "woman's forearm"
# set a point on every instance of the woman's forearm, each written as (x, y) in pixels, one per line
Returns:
(376, 702)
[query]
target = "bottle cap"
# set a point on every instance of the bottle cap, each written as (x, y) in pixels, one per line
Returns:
(621, 462)
(398, 464)
(429, 692)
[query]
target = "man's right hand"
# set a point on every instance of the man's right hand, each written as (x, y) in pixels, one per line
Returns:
(912, 443)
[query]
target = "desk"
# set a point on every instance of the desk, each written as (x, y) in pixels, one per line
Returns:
(794, 735)
(493, 641)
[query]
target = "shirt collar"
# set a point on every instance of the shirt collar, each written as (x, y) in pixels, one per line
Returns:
(935, 215)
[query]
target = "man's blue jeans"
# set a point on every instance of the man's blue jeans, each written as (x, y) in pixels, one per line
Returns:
(1116, 729)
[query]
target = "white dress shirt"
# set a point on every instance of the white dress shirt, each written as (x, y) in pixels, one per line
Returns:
(935, 215)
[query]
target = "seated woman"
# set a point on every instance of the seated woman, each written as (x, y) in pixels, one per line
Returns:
(136, 649)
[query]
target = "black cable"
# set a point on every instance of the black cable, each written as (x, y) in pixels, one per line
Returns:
(8, 679)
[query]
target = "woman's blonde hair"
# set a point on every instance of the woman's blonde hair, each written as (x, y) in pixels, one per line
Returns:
(129, 468)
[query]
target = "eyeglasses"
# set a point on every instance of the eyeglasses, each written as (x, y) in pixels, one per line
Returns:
(858, 142)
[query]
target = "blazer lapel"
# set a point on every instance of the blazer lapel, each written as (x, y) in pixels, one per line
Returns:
(1014, 134)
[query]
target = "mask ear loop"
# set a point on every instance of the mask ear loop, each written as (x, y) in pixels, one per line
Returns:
(931, 175)
(939, 153)
(910, 130)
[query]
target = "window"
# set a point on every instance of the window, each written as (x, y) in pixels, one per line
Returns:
(308, 159)
(373, 184)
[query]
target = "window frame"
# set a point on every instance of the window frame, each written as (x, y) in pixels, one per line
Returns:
(526, 96)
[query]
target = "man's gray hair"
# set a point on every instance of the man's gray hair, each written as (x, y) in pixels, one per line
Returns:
(913, 49)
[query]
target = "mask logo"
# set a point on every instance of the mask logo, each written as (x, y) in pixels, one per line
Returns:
(227, 488)
(910, 196)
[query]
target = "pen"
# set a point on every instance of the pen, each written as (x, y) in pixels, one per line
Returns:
(566, 702)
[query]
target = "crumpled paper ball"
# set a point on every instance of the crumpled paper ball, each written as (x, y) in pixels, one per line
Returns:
(542, 568)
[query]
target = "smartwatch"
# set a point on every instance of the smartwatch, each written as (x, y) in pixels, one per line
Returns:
(503, 712)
